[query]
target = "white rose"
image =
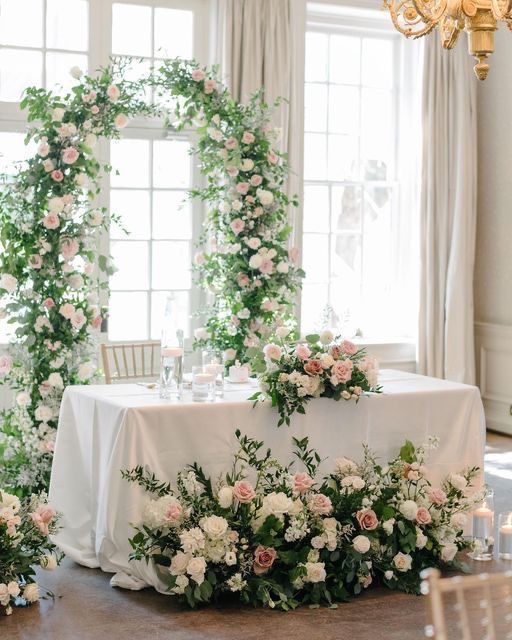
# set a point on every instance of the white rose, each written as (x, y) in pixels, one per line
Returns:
(402, 561)
(214, 526)
(317, 542)
(282, 332)
(326, 337)
(388, 575)
(345, 466)
(13, 588)
(421, 539)
(458, 520)
(55, 380)
(55, 205)
(5, 596)
(49, 562)
(282, 267)
(180, 585)
(255, 261)
(8, 282)
(85, 371)
(90, 140)
(326, 360)
(330, 524)
(9, 501)
(361, 544)
(58, 114)
(179, 563)
(230, 558)
(448, 552)
(315, 571)
(265, 197)
(23, 399)
(196, 569)
(225, 497)
(277, 504)
(457, 481)
(225, 207)
(358, 483)
(387, 525)
(43, 413)
(95, 218)
(272, 351)
(409, 509)
(31, 592)
(48, 165)
(247, 164)
(81, 180)
(201, 333)
(237, 205)
(230, 354)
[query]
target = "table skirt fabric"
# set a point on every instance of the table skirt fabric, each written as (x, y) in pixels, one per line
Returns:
(104, 429)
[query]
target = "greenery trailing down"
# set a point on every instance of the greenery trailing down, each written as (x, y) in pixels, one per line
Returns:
(245, 262)
(277, 536)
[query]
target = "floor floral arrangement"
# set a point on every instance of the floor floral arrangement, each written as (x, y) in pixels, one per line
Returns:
(25, 528)
(322, 367)
(281, 537)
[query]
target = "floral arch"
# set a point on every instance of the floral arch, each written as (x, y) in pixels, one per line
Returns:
(51, 272)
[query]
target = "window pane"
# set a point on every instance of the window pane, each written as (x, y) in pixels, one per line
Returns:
(315, 113)
(172, 215)
(21, 22)
(346, 208)
(377, 68)
(67, 24)
(173, 33)
(343, 157)
(135, 70)
(171, 163)
(58, 66)
(128, 318)
(12, 150)
(316, 208)
(315, 251)
(133, 207)
(315, 156)
(314, 299)
(344, 110)
(131, 159)
(131, 30)
(19, 69)
(346, 258)
(132, 262)
(171, 265)
(377, 131)
(344, 59)
(316, 57)
(181, 307)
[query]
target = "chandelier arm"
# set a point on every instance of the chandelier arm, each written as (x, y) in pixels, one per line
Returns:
(502, 10)
(434, 15)
(407, 29)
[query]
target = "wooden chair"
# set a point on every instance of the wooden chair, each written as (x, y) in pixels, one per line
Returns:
(474, 607)
(130, 361)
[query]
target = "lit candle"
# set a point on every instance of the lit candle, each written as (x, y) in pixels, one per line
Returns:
(204, 378)
(172, 352)
(506, 541)
(214, 369)
(482, 523)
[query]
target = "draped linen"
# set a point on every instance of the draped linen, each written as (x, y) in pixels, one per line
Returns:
(448, 212)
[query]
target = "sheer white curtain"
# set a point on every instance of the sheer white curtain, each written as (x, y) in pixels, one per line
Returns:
(448, 214)
(260, 43)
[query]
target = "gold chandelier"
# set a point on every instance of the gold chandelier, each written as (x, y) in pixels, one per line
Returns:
(479, 18)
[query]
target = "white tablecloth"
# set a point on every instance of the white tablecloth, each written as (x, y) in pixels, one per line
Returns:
(104, 429)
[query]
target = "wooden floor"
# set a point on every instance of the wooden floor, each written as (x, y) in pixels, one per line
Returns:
(87, 608)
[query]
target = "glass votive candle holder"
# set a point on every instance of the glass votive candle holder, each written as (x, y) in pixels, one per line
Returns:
(505, 535)
(203, 385)
(218, 371)
(483, 528)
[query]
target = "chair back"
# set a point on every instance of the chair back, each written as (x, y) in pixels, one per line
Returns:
(130, 361)
(474, 607)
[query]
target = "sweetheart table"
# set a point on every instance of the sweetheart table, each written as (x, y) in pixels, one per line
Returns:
(106, 428)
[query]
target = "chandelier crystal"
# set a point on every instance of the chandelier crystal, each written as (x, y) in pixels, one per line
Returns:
(479, 18)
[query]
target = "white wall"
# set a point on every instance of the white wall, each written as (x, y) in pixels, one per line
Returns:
(493, 272)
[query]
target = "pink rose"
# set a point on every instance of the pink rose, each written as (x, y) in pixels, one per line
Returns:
(232, 171)
(67, 310)
(42, 517)
(348, 347)
(35, 261)
(70, 155)
(272, 157)
(197, 75)
(48, 303)
(313, 367)
(335, 352)
(231, 143)
(258, 211)
(242, 187)
(256, 180)
(242, 279)
(173, 513)
(69, 248)
(367, 519)
(237, 226)
(210, 86)
(264, 558)
(320, 504)
(95, 110)
(342, 370)
(96, 322)
(302, 482)
(51, 221)
(243, 491)
(120, 121)
(5, 365)
(113, 93)
(437, 496)
(249, 199)
(68, 198)
(248, 137)
(266, 266)
(78, 319)
(302, 351)
(423, 516)
(57, 175)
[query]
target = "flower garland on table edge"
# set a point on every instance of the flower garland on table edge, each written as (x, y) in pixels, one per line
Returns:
(49, 283)
(280, 537)
(322, 367)
(25, 528)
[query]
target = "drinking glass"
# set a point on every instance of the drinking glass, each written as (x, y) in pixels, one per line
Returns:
(212, 363)
(171, 373)
(505, 535)
(203, 384)
(483, 527)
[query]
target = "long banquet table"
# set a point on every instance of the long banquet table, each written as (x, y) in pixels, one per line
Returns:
(106, 428)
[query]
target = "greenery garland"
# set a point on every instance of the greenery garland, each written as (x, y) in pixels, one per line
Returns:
(50, 265)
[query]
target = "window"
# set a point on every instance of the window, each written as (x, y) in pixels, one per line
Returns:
(351, 223)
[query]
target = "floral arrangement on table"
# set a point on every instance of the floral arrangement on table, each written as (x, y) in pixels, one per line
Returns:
(50, 262)
(322, 367)
(279, 536)
(245, 262)
(25, 528)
